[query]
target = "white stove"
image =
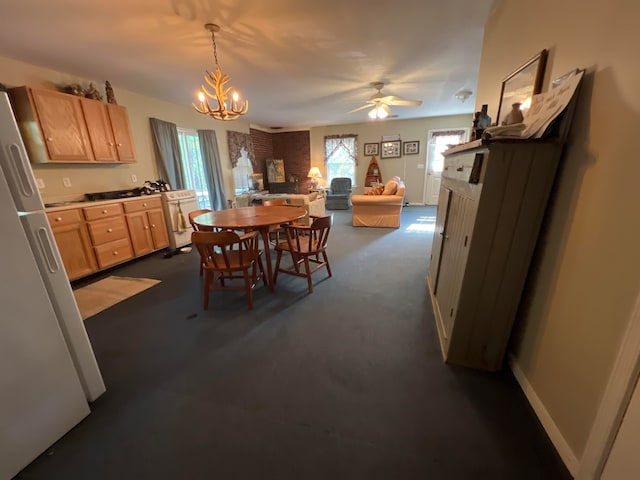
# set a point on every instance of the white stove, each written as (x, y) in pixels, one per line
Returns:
(174, 202)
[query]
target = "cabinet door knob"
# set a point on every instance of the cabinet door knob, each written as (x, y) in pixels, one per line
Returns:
(153, 225)
(58, 219)
(105, 211)
(49, 139)
(119, 144)
(115, 252)
(109, 230)
(146, 227)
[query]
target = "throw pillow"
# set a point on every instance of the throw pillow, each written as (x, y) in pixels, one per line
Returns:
(390, 187)
(377, 190)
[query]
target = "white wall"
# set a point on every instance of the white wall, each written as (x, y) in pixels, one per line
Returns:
(587, 274)
(407, 166)
(97, 178)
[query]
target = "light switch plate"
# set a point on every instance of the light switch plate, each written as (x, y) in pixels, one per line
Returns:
(66, 181)
(134, 178)
(40, 183)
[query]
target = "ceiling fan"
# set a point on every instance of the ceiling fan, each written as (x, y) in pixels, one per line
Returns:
(380, 103)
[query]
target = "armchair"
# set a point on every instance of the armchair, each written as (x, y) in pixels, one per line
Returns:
(338, 196)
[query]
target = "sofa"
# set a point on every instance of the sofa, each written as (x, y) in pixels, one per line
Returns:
(380, 207)
(313, 202)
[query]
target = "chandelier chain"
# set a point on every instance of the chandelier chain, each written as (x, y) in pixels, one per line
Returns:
(215, 48)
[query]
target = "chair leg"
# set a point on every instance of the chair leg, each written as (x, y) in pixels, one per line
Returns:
(275, 270)
(308, 270)
(207, 287)
(326, 261)
(261, 267)
(247, 288)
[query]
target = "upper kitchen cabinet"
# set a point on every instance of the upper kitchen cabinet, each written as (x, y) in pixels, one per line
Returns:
(52, 125)
(121, 132)
(100, 132)
(62, 128)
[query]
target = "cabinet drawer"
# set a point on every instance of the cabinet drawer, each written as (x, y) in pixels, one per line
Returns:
(142, 204)
(65, 217)
(107, 230)
(114, 252)
(102, 211)
(465, 167)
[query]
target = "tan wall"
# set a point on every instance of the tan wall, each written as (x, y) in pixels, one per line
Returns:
(587, 274)
(406, 167)
(96, 178)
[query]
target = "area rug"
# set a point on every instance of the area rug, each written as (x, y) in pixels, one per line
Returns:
(105, 293)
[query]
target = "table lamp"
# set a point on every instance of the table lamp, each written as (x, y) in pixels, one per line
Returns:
(314, 174)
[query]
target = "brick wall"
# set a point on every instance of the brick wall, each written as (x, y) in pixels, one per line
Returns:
(262, 149)
(292, 147)
(295, 149)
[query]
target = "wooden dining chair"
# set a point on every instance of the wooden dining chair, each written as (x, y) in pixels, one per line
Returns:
(192, 215)
(274, 230)
(226, 256)
(307, 245)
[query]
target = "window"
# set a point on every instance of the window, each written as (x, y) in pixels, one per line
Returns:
(340, 156)
(437, 143)
(242, 172)
(194, 176)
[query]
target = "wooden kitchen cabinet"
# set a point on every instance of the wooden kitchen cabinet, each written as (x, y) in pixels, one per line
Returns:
(109, 234)
(147, 227)
(122, 133)
(74, 244)
(100, 132)
(492, 202)
(63, 128)
(52, 125)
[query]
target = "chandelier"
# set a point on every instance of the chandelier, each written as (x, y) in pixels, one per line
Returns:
(224, 108)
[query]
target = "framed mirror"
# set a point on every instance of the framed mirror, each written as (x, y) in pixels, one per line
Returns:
(521, 85)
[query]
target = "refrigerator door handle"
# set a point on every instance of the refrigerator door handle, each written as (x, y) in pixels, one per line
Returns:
(45, 243)
(21, 171)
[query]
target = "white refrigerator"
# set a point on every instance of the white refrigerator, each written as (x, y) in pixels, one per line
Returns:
(48, 371)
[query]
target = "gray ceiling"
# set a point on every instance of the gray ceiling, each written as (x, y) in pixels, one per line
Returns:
(300, 63)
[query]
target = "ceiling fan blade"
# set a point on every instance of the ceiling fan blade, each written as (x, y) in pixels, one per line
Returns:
(393, 100)
(368, 105)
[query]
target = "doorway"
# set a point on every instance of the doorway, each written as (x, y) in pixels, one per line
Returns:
(437, 142)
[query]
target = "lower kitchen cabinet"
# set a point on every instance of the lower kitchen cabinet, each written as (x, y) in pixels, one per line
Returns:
(109, 234)
(147, 227)
(73, 242)
(101, 235)
(492, 202)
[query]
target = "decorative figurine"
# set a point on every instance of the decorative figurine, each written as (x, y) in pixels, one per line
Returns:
(484, 120)
(74, 89)
(111, 98)
(93, 93)
(514, 116)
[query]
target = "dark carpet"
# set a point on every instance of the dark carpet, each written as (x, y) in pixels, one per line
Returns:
(344, 383)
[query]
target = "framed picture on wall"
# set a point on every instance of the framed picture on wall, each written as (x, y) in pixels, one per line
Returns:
(371, 149)
(390, 149)
(411, 148)
(275, 171)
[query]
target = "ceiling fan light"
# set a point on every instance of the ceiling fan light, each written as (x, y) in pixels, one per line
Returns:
(373, 113)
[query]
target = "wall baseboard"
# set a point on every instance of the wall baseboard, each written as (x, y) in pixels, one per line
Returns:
(565, 452)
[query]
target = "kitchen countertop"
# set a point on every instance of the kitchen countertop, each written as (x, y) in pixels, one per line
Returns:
(59, 206)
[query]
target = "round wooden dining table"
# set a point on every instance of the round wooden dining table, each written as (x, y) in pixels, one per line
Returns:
(254, 218)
